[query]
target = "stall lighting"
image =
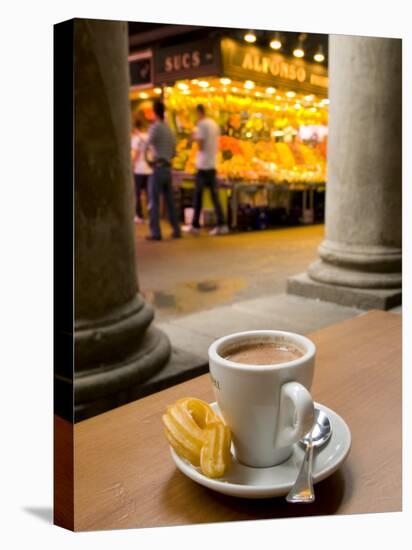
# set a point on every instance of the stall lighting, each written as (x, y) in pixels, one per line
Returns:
(143, 95)
(203, 84)
(249, 84)
(195, 81)
(309, 97)
(249, 134)
(234, 89)
(186, 92)
(225, 81)
(297, 105)
(312, 109)
(258, 94)
(319, 57)
(275, 44)
(157, 91)
(250, 37)
(290, 94)
(298, 50)
(325, 101)
(270, 90)
(169, 89)
(278, 97)
(182, 86)
(224, 89)
(277, 108)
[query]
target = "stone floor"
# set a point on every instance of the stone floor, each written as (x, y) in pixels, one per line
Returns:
(199, 273)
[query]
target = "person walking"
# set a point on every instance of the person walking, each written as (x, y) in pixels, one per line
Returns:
(207, 137)
(161, 143)
(141, 169)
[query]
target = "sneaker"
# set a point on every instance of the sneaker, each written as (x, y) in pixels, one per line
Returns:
(138, 220)
(223, 230)
(152, 238)
(176, 236)
(219, 230)
(190, 229)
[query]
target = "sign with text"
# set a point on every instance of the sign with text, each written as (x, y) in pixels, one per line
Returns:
(190, 60)
(244, 62)
(141, 70)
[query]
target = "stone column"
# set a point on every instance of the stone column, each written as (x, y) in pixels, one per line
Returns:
(360, 258)
(116, 348)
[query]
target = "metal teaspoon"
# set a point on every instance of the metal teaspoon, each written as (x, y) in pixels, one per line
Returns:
(302, 490)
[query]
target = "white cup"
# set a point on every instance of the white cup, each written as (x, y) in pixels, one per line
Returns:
(267, 407)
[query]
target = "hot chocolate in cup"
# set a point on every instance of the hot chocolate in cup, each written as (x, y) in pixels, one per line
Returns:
(262, 353)
(261, 381)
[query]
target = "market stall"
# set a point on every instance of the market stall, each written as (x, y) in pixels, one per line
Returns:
(273, 114)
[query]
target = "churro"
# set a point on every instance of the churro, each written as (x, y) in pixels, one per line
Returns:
(197, 434)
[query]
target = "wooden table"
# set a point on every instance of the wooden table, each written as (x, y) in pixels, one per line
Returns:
(124, 475)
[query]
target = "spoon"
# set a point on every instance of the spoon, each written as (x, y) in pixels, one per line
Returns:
(302, 491)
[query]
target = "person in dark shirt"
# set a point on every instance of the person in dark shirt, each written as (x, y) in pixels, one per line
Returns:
(161, 143)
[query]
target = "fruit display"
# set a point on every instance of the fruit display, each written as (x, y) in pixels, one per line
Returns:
(267, 135)
(276, 162)
(259, 134)
(197, 434)
(240, 115)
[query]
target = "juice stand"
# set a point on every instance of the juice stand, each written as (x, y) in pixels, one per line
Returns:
(272, 111)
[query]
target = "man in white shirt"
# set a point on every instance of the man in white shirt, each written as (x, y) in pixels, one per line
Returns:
(207, 138)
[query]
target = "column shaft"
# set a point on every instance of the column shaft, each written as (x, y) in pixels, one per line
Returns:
(115, 347)
(363, 233)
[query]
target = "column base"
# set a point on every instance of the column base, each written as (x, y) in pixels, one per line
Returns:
(361, 298)
(357, 266)
(107, 382)
(180, 367)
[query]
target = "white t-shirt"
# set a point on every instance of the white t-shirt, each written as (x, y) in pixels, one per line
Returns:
(138, 144)
(208, 131)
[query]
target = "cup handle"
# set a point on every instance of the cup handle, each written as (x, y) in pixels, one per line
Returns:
(296, 414)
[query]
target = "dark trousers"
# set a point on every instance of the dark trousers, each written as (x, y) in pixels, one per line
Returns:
(140, 184)
(160, 182)
(207, 178)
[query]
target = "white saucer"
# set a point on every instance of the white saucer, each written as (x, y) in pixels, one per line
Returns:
(244, 481)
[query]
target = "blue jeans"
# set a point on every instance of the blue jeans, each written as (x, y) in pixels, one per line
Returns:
(161, 182)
